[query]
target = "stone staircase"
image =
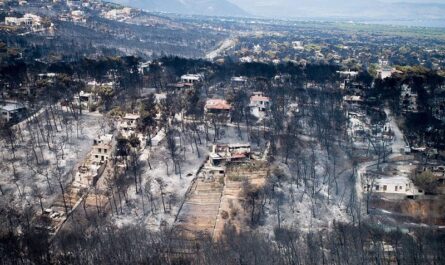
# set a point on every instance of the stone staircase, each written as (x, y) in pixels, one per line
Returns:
(198, 214)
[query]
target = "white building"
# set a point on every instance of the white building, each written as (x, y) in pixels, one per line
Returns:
(191, 78)
(238, 80)
(219, 107)
(78, 16)
(28, 20)
(127, 126)
(348, 74)
(11, 111)
(85, 99)
(102, 148)
(49, 77)
(223, 153)
(144, 67)
(297, 45)
(246, 59)
(257, 48)
(259, 105)
(118, 14)
(282, 78)
(353, 99)
(384, 73)
(94, 86)
(393, 185)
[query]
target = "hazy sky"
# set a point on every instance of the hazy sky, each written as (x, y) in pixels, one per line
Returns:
(277, 2)
(385, 1)
(344, 8)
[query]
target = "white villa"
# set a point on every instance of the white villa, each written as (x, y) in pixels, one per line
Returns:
(118, 14)
(127, 126)
(238, 80)
(348, 74)
(223, 153)
(394, 185)
(259, 104)
(191, 78)
(11, 111)
(28, 20)
(85, 99)
(102, 146)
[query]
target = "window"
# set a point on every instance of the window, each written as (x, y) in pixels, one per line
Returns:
(105, 151)
(96, 156)
(420, 191)
(385, 187)
(377, 187)
(100, 150)
(396, 188)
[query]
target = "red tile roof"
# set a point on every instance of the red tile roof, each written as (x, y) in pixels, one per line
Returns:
(259, 98)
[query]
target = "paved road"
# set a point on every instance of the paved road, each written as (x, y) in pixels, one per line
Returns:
(225, 45)
(397, 146)
(398, 143)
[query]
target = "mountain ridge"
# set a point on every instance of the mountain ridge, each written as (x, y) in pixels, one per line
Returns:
(343, 8)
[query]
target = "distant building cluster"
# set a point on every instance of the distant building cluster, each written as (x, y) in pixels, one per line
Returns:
(28, 20)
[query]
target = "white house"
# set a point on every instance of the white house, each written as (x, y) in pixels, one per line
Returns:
(246, 59)
(191, 78)
(297, 45)
(78, 16)
(11, 111)
(102, 147)
(348, 74)
(393, 185)
(259, 104)
(223, 153)
(85, 99)
(144, 67)
(28, 20)
(257, 48)
(127, 126)
(118, 14)
(385, 73)
(49, 77)
(353, 99)
(93, 84)
(238, 80)
(219, 107)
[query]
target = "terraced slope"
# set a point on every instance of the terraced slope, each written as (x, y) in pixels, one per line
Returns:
(212, 203)
(198, 214)
(231, 210)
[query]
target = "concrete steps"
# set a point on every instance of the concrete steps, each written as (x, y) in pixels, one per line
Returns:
(198, 214)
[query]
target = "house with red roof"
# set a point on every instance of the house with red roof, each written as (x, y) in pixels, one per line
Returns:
(259, 105)
(218, 107)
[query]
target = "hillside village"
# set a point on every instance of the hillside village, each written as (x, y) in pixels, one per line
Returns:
(289, 138)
